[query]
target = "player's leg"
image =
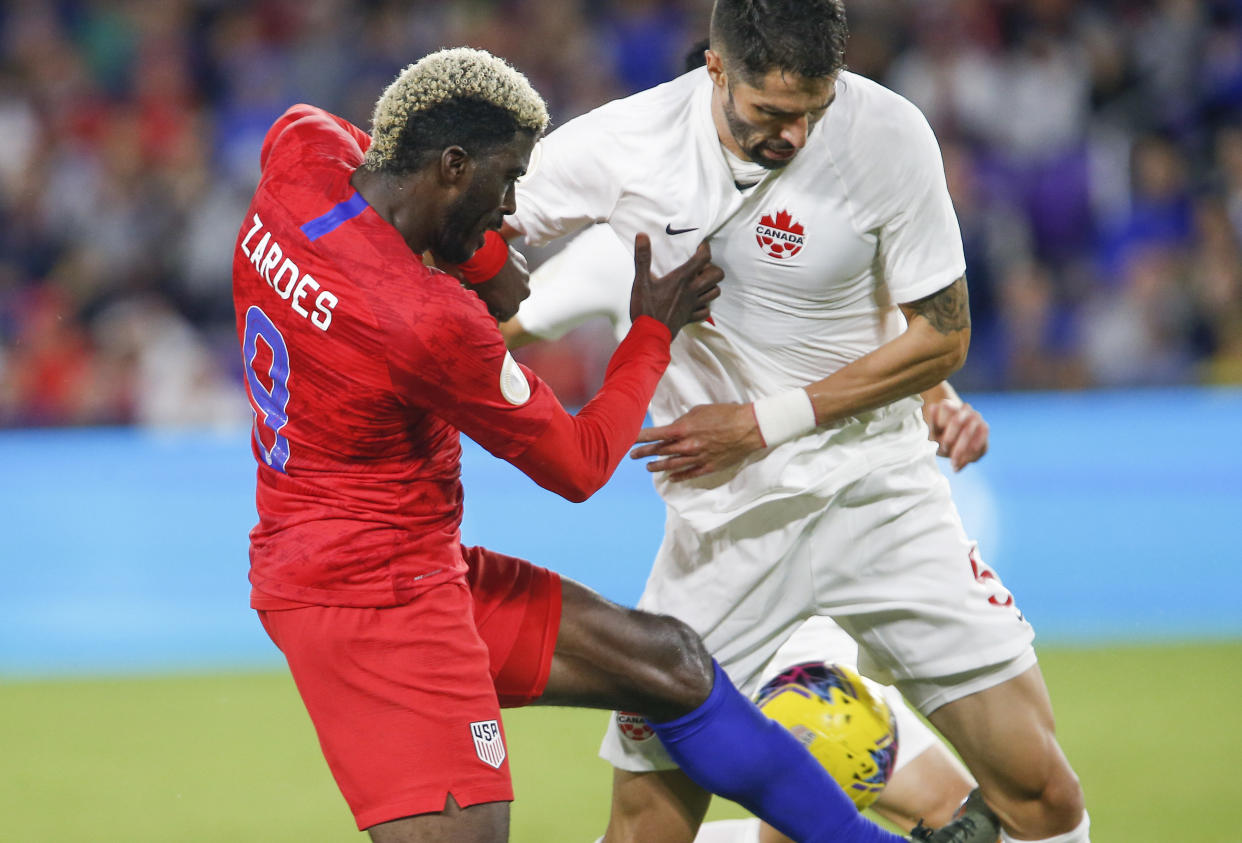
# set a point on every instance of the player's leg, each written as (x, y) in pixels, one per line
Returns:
(607, 656)
(532, 666)
(930, 787)
(724, 745)
(611, 657)
(929, 783)
(653, 800)
(928, 612)
(661, 806)
(486, 823)
(406, 714)
(1006, 735)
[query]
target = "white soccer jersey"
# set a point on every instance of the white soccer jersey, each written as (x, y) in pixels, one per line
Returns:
(816, 258)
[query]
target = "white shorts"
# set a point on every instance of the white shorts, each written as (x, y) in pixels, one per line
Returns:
(887, 559)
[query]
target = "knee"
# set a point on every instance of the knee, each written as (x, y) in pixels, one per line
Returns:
(689, 662)
(677, 675)
(1062, 796)
(1057, 789)
(1049, 804)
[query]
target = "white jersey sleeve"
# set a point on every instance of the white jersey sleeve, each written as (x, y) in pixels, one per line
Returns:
(591, 277)
(564, 189)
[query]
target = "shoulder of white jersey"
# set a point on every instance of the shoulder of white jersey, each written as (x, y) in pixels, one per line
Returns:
(875, 113)
(879, 140)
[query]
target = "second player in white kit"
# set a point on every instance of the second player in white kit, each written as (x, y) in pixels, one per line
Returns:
(817, 491)
(815, 265)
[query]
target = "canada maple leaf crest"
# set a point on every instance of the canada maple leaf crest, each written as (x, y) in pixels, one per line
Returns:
(634, 726)
(779, 236)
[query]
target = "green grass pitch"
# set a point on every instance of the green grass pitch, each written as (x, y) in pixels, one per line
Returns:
(1152, 731)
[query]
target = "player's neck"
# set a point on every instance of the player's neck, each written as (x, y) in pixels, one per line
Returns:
(397, 202)
(721, 122)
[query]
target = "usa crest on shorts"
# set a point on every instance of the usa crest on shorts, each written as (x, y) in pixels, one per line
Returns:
(489, 744)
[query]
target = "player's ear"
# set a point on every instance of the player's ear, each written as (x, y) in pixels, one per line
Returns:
(455, 164)
(715, 68)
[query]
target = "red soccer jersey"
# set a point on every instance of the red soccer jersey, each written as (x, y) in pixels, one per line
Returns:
(362, 365)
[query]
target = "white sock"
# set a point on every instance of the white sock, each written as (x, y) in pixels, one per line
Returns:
(729, 831)
(1078, 835)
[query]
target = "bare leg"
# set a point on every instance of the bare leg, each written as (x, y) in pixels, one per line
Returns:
(931, 787)
(486, 823)
(609, 657)
(660, 807)
(1007, 737)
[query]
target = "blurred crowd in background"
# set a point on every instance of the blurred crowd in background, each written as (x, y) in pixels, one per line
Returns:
(1093, 150)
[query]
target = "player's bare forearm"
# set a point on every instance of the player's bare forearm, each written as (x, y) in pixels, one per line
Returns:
(711, 437)
(932, 347)
(576, 455)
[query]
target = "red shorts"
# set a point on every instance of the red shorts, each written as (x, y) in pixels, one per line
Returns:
(406, 700)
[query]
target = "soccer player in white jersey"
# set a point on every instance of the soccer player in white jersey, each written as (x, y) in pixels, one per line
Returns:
(788, 443)
(589, 278)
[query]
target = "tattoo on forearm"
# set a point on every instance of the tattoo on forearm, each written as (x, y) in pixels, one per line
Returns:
(948, 310)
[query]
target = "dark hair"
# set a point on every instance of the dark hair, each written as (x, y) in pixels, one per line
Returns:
(754, 37)
(475, 125)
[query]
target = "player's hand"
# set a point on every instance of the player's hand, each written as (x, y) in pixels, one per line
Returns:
(507, 289)
(959, 430)
(677, 298)
(707, 438)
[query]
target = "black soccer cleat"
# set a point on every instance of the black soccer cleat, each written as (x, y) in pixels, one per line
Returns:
(974, 823)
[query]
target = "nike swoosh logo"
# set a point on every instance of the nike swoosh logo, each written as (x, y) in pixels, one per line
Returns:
(668, 229)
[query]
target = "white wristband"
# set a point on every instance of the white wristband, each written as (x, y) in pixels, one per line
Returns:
(785, 416)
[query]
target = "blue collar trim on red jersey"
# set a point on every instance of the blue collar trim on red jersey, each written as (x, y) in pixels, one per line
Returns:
(343, 212)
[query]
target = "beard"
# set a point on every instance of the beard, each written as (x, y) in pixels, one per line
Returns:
(753, 143)
(454, 242)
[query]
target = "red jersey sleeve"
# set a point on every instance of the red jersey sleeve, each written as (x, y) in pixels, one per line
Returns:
(577, 454)
(455, 366)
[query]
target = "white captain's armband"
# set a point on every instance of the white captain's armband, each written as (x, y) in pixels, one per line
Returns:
(785, 416)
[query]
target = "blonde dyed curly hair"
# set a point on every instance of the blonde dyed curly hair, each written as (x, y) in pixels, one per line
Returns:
(458, 96)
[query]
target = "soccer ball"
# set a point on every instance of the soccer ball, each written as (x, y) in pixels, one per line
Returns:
(848, 729)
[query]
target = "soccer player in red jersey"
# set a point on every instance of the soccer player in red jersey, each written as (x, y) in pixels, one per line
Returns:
(362, 366)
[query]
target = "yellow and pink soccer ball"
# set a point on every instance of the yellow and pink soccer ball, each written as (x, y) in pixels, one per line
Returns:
(832, 712)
